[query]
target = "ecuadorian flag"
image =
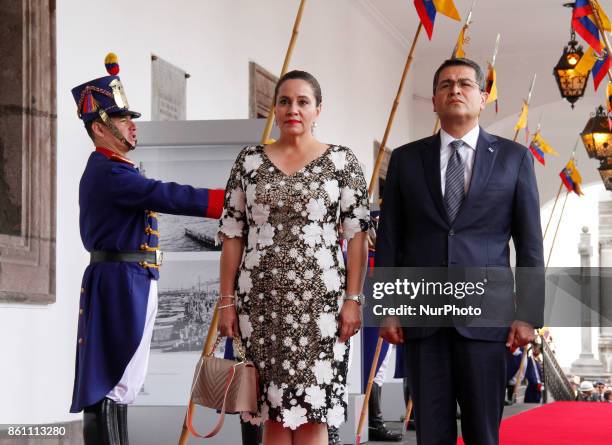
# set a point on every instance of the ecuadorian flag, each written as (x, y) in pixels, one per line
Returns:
(600, 69)
(539, 147)
(427, 9)
(583, 23)
(571, 177)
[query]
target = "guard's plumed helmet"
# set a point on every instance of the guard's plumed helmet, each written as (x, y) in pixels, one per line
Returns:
(103, 96)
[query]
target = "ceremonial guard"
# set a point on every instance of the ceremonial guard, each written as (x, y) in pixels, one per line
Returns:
(118, 226)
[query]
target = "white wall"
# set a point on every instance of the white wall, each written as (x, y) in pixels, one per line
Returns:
(357, 63)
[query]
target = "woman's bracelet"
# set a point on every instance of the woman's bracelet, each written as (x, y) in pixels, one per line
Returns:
(232, 296)
(226, 305)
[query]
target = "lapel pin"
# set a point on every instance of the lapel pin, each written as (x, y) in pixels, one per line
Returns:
(491, 149)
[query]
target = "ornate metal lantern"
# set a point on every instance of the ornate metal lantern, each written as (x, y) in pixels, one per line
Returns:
(597, 139)
(571, 83)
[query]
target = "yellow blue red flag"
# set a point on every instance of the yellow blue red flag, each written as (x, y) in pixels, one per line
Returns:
(539, 147)
(427, 9)
(600, 68)
(571, 177)
(584, 24)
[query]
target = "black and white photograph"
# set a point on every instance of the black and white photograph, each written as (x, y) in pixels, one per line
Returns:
(196, 167)
(187, 291)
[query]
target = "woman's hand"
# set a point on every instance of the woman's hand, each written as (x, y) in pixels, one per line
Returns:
(349, 320)
(228, 321)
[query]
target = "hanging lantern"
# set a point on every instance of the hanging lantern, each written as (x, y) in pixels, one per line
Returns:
(605, 171)
(597, 136)
(571, 83)
(597, 139)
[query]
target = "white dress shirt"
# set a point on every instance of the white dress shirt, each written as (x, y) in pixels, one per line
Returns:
(467, 152)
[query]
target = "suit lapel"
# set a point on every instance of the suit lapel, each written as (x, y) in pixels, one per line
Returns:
(430, 154)
(484, 159)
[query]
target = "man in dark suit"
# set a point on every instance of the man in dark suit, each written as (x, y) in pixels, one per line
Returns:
(454, 200)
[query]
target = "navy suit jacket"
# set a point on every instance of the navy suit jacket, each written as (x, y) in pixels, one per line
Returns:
(501, 203)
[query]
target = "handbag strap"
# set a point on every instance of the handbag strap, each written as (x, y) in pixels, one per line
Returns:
(230, 378)
(237, 345)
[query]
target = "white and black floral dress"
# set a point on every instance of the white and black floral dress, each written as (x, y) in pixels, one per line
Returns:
(292, 278)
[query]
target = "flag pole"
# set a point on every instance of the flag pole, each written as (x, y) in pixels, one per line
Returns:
(294, 35)
(379, 156)
(527, 102)
(495, 50)
(596, 7)
(366, 399)
(492, 64)
(408, 413)
(552, 212)
(519, 373)
(464, 28)
(552, 246)
(211, 337)
(381, 149)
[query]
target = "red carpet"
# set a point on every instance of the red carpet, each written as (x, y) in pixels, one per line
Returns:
(559, 423)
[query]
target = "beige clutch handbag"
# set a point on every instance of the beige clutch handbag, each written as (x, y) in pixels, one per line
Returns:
(225, 385)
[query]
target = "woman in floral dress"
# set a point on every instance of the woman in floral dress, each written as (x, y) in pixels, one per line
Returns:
(296, 306)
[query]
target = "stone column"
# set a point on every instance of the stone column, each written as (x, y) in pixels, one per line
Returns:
(586, 365)
(605, 263)
(27, 151)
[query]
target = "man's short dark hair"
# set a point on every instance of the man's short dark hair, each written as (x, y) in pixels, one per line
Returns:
(480, 78)
(89, 130)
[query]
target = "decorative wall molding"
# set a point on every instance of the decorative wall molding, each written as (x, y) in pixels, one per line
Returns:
(379, 19)
(28, 114)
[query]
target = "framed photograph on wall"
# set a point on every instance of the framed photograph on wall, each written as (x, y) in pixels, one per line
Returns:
(188, 289)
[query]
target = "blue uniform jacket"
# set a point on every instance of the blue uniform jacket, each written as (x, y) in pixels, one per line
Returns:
(117, 213)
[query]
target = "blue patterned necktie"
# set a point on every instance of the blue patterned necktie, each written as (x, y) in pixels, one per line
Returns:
(454, 190)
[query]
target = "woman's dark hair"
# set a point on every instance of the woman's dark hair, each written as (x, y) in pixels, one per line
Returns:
(303, 75)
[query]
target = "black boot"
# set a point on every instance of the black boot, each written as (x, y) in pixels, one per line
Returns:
(122, 423)
(250, 433)
(333, 436)
(100, 424)
(377, 429)
(91, 435)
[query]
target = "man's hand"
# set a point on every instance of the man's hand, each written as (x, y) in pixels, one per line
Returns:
(520, 334)
(391, 330)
